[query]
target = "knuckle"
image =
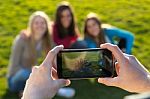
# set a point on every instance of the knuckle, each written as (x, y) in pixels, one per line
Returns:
(115, 47)
(132, 57)
(126, 60)
(51, 52)
(42, 69)
(107, 44)
(34, 68)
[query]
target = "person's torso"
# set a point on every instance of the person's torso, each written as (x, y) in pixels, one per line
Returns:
(91, 43)
(26, 56)
(26, 59)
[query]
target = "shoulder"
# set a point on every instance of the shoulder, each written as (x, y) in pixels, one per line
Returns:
(19, 40)
(110, 30)
(54, 28)
(54, 25)
(107, 26)
(77, 30)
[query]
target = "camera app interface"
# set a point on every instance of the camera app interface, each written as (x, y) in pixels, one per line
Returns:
(87, 64)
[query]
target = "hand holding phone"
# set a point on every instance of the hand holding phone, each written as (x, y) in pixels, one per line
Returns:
(85, 63)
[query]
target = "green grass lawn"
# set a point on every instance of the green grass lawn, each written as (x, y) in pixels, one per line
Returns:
(132, 15)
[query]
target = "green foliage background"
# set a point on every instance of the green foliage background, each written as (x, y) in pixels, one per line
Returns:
(132, 15)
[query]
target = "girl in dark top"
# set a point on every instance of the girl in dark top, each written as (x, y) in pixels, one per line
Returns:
(65, 32)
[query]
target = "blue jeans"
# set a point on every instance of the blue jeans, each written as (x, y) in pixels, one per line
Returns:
(17, 82)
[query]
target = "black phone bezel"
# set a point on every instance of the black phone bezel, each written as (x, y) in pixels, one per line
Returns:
(59, 62)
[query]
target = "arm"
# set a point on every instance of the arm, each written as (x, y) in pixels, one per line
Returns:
(17, 49)
(43, 82)
(132, 75)
(116, 32)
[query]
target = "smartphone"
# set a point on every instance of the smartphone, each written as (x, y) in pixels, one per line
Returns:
(85, 63)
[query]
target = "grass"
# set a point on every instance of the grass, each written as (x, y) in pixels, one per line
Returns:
(132, 15)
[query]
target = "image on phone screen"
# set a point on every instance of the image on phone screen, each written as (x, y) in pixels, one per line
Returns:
(85, 63)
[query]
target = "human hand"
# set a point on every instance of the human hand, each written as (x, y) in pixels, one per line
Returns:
(43, 82)
(132, 75)
(23, 34)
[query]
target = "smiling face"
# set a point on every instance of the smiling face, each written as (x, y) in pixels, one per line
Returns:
(66, 18)
(92, 27)
(39, 27)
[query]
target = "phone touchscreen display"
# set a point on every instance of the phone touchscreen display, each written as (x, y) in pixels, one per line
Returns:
(86, 64)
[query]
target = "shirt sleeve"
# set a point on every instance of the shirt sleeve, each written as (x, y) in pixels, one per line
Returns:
(120, 33)
(16, 54)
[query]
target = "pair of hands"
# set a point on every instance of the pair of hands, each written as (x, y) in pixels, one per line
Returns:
(43, 82)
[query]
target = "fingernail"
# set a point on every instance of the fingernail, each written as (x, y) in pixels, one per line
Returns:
(61, 46)
(100, 80)
(68, 82)
(101, 45)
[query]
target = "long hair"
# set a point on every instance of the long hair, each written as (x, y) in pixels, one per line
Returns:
(46, 39)
(62, 32)
(101, 37)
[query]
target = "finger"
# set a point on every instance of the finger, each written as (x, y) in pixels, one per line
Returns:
(55, 63)
(109, 81)
(55, 51)
(126, 54)
(54, 74)
(23, 33)
(117, 67)
(115, 51)
(50, 57)
(34, 72)
(62, 82)
(34, 69)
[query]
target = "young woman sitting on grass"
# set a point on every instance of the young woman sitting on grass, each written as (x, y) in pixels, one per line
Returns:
(97, 33)
(65, 32)
(26, 50)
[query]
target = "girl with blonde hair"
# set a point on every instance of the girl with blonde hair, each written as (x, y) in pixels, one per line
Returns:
(26, 50)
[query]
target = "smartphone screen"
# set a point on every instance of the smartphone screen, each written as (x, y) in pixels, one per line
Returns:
(85, 63)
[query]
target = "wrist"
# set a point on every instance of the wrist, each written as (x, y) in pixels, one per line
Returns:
(34, 94)
(145, 84)
(148, 82)
(31, 95)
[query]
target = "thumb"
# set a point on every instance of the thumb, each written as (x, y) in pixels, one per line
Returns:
(109, 81)
(62, 82)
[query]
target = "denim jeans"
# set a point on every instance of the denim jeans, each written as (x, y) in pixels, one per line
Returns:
(17, 82)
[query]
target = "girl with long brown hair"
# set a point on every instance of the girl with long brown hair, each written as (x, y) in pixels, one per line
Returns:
(65, 30)
(93, 31)
(96, 33)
